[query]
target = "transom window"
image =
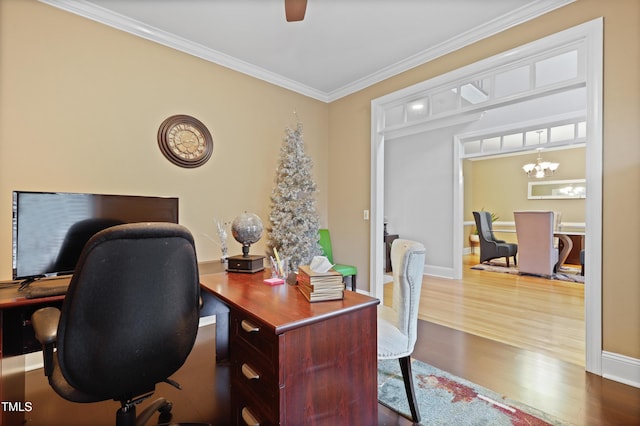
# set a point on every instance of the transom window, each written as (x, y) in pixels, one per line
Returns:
(535, 76)
(565, 133)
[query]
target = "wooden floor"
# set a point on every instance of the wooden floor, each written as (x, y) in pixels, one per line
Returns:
(559, 388)
(556, 387)
(520, 370)
(546, 316)
(204, 398)
(520, 336)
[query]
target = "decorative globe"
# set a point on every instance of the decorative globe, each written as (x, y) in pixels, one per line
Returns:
(246, 229)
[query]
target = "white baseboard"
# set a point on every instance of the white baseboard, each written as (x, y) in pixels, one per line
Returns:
(438, 271)
(621, 368)
(209, 320)
(33, 360)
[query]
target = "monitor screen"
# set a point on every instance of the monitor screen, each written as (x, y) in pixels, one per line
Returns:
(50, 229)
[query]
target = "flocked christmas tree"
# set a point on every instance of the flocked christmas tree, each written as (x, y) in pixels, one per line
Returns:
(294, 220)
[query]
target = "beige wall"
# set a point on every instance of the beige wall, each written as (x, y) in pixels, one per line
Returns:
(349, 151)
(81, 103)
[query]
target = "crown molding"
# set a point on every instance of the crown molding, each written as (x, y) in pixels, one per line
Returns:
(107, 17)
(490, 28)
(104, 16)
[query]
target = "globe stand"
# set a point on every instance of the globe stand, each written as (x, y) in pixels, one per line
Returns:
(245, 263)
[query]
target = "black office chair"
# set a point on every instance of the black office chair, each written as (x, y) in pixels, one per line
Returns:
(129, 319)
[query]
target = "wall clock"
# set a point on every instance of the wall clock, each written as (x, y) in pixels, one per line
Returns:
(185, 141)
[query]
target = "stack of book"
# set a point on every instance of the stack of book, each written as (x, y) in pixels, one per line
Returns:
(318, 286)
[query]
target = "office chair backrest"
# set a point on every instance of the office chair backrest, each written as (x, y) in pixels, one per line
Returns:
(407, 261)
(130, 317)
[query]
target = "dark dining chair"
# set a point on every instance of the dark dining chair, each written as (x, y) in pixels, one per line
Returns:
(490, 246)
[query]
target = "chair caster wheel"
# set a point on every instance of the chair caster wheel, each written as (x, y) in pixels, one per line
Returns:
(165, 413)
(166, 408)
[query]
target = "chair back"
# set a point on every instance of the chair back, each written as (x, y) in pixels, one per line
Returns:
(484, 225)
(130, 316)
(537, 254)
(407, 260)
(325, 243)
(557, 221)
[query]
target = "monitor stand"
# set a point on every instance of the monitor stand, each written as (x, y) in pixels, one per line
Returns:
(24, 284)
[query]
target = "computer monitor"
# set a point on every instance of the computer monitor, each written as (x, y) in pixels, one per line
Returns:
(51, 228)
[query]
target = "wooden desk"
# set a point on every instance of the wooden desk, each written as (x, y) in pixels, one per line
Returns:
(14, 330)
(295, 362)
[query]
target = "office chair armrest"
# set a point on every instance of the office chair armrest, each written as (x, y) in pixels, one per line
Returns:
(45, 324)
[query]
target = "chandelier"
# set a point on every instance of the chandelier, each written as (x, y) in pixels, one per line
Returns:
(540, 169)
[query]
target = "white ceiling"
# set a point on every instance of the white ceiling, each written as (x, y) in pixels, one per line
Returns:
(341, 46)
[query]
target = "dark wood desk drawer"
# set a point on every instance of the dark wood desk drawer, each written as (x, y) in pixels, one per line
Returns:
(255, 335)
(256, 379)
(309, 378)
(246, 411)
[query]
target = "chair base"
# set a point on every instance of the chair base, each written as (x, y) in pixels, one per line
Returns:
(351, 280)
(126, 414)
(506, 258)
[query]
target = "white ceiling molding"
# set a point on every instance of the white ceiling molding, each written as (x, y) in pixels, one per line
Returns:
(140, 29)
(99, 14)
(496, 26)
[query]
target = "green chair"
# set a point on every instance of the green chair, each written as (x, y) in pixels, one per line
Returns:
(345, 270)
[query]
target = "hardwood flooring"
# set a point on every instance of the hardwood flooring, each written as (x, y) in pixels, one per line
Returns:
(521, 336)
(559, 388)
(534, 375)
(556, 387)
(204, 398)
(538, 314)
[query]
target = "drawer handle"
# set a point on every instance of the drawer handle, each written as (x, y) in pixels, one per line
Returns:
(248, 327)
(249, 418)
(249, 372)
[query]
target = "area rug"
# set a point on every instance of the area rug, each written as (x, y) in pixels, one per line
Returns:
(444, 399)
(565, 274)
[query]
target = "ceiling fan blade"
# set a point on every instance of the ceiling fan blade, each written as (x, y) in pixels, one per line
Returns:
(295, 9)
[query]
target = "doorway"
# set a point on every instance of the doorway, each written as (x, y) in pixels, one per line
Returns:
(392, 118)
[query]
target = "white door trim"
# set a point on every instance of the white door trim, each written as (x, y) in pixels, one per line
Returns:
(591, 35)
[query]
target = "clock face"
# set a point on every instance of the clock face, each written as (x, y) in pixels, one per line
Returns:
(185, 141)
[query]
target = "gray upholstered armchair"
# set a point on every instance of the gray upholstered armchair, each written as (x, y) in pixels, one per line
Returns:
(398, 324)
(490, 246)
